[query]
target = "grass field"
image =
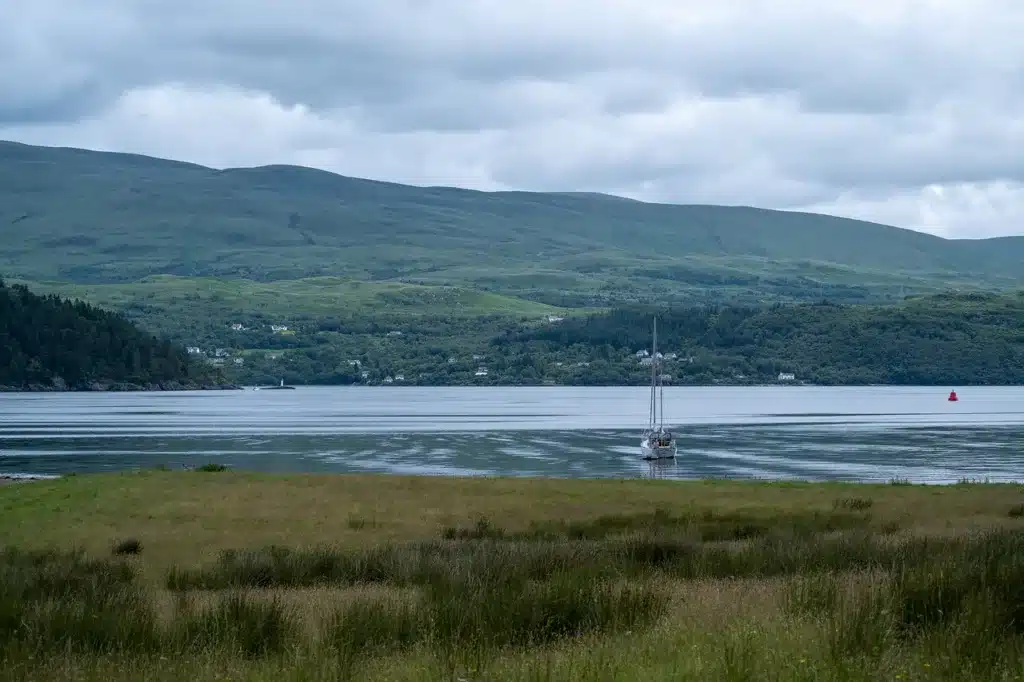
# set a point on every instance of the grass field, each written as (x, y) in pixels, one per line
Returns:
(209, 575)
(287, 298)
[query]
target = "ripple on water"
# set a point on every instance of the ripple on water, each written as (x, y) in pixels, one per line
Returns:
(850, 434)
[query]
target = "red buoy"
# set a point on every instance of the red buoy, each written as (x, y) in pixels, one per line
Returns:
(952, 397)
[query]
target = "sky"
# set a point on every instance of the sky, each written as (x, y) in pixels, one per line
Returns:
(905, 112)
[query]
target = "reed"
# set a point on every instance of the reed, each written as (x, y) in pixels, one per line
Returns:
(845, 590)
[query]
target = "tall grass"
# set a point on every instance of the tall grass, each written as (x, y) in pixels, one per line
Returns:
(966, 595)
(627, 556)
(704, 526)
(52, 601)
(702, 545)
(239, 625)
(873, 598)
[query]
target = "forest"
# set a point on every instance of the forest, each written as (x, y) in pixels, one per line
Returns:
(49, 342)
(52, 343)
(955, 339)
(942, 339)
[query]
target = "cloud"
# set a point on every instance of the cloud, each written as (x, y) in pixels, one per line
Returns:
(908, 112)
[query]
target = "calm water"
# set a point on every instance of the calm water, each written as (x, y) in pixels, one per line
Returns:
(783, 433)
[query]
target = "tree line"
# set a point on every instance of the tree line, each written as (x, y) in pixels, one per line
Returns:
(936, 340)
(942, 339)
(48, 342)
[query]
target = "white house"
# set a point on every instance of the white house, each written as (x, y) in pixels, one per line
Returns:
(482, 372)
(787, 376)
(278, 328)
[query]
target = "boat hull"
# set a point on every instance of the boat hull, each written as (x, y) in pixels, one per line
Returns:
(648, 451)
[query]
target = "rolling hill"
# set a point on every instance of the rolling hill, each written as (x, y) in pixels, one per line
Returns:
(84, 217)
(310, 297)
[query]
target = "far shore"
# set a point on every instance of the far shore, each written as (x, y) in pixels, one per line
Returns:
(120, 388)
(155, 388)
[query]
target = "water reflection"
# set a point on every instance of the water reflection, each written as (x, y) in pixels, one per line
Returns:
(808, 434)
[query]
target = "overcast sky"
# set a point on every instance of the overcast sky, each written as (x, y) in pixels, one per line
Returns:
(907, 112)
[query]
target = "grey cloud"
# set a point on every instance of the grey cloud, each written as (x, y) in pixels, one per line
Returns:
(60, 103)
(338, 53)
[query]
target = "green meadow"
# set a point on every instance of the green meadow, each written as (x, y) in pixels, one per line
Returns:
(213, 575)
(314, 296)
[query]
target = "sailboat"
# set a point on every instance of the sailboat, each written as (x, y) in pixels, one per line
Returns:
(657, 442)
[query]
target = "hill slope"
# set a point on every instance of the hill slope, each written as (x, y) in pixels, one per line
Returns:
(932, 340)
(315, 296)
(949, 339)
(83, 216)
(46, 341)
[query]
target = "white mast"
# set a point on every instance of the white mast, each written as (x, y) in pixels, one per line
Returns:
(661, 397)
(654, 376)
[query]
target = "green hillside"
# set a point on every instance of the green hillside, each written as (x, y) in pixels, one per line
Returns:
(949, 339)
(313, 296)
(93, 217)
(934, 340)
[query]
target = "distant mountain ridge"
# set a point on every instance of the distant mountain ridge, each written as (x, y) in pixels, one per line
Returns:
(90, 217)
